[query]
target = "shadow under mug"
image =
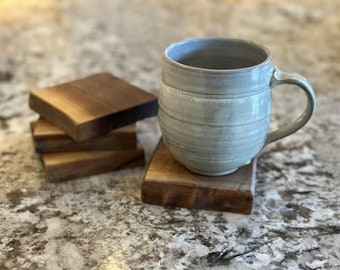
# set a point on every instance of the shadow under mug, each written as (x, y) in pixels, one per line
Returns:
(215, 103)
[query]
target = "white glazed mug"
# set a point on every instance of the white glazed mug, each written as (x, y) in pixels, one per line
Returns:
(215, 103)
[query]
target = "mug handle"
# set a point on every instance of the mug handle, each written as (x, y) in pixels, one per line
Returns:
(279, 77)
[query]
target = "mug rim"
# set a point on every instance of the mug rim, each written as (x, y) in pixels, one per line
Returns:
(167, 58)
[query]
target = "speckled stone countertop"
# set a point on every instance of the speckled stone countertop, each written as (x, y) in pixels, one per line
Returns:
(99, 222)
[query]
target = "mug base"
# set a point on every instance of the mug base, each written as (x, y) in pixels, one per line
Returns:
(221, 173)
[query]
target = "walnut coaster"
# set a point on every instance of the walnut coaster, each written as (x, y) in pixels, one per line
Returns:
(69, 165)
(93, 106)
(169, 183)
(49, 138)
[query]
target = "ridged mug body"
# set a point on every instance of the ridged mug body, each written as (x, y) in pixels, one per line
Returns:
(215, 119)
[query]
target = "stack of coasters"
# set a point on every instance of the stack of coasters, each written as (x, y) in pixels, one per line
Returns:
(88, 127)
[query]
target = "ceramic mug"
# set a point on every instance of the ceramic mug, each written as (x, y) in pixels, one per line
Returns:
(215, 102)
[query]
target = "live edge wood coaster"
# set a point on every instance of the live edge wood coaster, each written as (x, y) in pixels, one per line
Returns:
(65, 159)
(49, 138)
(169, 183)
(93, 106)
(69, 165)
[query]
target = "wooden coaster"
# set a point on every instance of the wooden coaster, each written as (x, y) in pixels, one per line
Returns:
(93, 106)
(49, 138)
(169, 183)
(70, 165)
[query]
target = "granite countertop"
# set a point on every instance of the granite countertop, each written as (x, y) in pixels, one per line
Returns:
(99, 222)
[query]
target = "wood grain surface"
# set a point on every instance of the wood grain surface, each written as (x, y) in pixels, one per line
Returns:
(93, 106)
(49, 138)
(69, 165)
(169, 183)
